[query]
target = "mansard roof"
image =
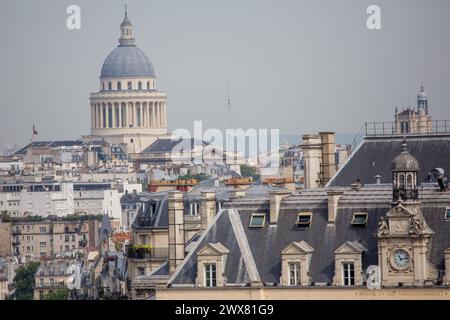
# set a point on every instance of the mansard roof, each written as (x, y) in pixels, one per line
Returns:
(374, 155)
(262, 247)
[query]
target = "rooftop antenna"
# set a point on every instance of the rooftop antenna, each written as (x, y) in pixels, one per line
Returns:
(227, 139)
(228, 101)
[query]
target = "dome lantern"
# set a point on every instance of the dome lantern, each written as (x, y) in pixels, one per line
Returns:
(404, 175)
(126, 31)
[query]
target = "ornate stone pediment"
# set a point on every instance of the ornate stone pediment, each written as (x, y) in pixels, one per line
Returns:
(213, 249)
(301, 247)
(403, 221)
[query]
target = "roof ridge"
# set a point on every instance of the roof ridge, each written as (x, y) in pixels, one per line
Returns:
(194, 249)
(241, 238)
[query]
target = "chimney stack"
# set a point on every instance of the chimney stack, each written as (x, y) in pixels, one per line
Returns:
(328, 156)
(378, 179)
(312, 153)
(333, 200)
(176, 229)
(275, 197)
(208, 208)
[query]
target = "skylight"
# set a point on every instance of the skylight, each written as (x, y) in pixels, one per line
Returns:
(359, 218)
(257, 220)
(304, 220)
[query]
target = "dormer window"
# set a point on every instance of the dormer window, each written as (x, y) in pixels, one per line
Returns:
(148, 85)
(348, 273)
(447, 214)
(360, 218)
(211, 265)
(130, 86)
(210, 275)
(140, 85)
(294, 273)
(109, 86)
(257, 220)
(193, 208)
(119, 85)
(303, 220)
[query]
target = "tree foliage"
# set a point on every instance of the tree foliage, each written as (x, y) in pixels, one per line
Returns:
(249, 171)
(58, 294)
(24, 281)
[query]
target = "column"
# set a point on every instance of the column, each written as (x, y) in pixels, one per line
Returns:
(127, 116)
(141, 115)
(107, 115)
(120, 114)
(113, 114)
(149, 118)
(102, 113)
(92, 115)
(165, 115)
(134, 115)
(153, 115)
(160, 115)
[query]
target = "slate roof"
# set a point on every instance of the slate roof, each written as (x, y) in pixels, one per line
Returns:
(267, 243)
(168, 145)
(369, 159)
(161, 219)
(47, 144)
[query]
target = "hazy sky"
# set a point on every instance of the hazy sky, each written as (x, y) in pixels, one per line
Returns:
(300, 66)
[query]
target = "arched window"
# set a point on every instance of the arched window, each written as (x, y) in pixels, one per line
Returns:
(148, 85)
(140, 85)
(130, 86)
(119, 86)
(109, 86)
(103, 86)
(409, 181)
(402, 181)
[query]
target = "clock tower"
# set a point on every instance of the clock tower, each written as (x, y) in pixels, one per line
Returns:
(403, 234)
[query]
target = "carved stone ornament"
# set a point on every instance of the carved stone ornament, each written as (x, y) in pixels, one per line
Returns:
(416, 226)
(383, 227)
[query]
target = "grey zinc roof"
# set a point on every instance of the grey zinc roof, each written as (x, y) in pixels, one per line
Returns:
(267, 243)
(167, 145)
(221, 231)
(127, 61)
(374, 157)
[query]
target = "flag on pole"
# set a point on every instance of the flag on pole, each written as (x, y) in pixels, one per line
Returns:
(35, 133)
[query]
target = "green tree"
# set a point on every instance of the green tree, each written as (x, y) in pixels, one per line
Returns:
(199, 177)
(58, 294)
(248, 171)
(4, 216)
(24, 281)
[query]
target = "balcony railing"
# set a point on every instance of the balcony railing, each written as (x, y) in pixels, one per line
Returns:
(154, 253)
(372, 129)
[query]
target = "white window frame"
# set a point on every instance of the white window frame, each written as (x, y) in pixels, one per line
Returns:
(346, 273)
(208, 272)
(360, 213)
(445, 214)
(258, 215)
(194, 208)
(303, 224)
(294, 267)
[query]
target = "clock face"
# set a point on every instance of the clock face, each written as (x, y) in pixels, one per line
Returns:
(401, 259)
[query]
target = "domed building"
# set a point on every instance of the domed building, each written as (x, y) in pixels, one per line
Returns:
(128, 110)
(414, 120)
